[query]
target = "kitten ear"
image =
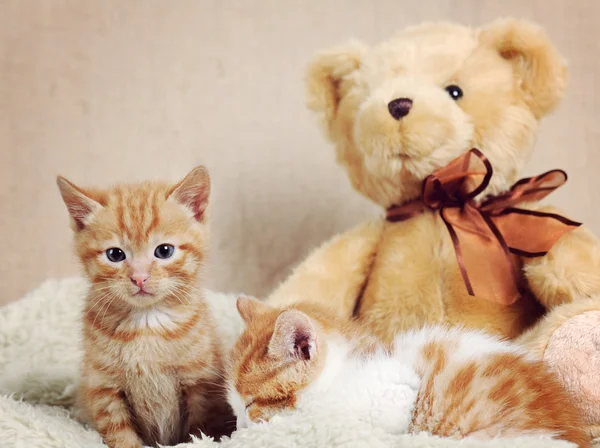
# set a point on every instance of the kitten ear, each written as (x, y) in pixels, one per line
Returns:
(294, 336)
(193, 191)
(81, 207)
(249, 307)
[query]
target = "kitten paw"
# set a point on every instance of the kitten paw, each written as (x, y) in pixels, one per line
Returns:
(124, 440)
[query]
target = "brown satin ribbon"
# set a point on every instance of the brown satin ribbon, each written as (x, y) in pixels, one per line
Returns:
(488, 236)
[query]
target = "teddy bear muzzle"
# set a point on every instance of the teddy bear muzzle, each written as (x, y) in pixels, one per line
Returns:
(409, 119)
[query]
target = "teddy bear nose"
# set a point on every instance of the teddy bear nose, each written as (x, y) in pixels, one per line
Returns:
(400, 107)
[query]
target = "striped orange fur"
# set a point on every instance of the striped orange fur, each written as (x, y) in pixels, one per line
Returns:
(463, 383)
(152, 367)
(501, 394)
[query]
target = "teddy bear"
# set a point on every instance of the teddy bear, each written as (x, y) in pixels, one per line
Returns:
(434, 124)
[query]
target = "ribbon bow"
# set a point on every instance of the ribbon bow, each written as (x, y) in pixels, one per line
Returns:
(488, 236)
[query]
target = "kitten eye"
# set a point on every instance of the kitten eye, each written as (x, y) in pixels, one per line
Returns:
(455, 92)
(115, 254)
(164, 251)
(249, 404)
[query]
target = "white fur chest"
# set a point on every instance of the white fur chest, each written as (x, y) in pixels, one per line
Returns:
(148, 349)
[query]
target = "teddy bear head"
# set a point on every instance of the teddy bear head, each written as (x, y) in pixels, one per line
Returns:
(399, 110)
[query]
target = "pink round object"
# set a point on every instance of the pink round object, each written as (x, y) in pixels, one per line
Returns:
(573, 352)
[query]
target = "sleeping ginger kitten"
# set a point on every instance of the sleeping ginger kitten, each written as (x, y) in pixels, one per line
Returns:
(448, 382)
(152, 365)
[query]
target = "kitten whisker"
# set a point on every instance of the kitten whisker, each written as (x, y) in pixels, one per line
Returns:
(99, 311)
(175, 293)
(183, 293)
(195, 289)
(96, 301)
(216, 372)
(190, 297)
(108, 306)
(211, 383)
(103, 288)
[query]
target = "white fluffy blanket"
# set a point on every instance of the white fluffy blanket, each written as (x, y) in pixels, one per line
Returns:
(39, 358)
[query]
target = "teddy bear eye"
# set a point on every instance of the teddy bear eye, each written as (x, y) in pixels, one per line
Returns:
(455, 92)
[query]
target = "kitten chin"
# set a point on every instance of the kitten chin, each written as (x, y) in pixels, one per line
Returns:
(152, 368)
(449, 382)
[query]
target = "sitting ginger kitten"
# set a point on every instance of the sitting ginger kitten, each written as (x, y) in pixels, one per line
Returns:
(448, 382)
(152, 367)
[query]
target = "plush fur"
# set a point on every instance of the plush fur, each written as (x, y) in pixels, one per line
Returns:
(398, 276)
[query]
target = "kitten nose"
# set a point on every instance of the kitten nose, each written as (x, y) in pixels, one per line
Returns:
(400, 107)
(139, 279)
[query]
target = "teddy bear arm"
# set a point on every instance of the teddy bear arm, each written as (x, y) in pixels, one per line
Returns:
(335, 272)
(570, 270)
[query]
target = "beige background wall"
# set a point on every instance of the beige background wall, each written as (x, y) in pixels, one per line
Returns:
(112, 90)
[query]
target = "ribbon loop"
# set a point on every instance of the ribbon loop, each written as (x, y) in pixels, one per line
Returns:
(488, 236)
(529, 189)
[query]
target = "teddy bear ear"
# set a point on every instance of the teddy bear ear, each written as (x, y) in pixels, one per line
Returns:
(328, 79)
(540, 69)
